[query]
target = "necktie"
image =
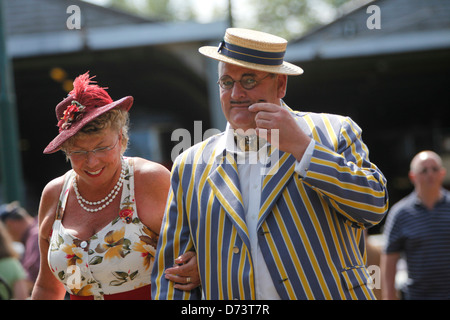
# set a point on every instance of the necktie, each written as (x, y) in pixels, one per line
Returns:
(247, 142)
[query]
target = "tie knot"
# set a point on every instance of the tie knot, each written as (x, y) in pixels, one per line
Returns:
(248, 142)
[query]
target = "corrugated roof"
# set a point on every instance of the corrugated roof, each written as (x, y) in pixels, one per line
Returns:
(43, 16)
(406, 25)
(38, 27)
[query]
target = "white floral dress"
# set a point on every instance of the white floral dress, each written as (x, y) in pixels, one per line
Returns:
(117, 259)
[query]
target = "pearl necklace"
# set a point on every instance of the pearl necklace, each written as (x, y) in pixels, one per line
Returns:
(105, 201)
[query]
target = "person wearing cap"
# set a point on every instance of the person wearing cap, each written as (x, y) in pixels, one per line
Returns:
(99, 222)
(284, 221)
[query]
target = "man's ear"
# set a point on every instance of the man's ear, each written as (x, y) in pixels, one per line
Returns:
(443, 173)
(281, 85)
(412, 177)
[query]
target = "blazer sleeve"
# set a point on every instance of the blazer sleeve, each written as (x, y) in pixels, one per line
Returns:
(340, 170)
(174, 240)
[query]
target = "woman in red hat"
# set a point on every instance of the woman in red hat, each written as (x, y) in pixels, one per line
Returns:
(99, 222)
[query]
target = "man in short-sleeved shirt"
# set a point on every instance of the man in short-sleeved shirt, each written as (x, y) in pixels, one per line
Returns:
(419, 227)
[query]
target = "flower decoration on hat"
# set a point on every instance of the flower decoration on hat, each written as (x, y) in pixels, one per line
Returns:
(87, 96)
(71, 114)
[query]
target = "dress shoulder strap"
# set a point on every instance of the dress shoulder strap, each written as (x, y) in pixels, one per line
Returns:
(128, 201)
(68, 177)
(131, 176)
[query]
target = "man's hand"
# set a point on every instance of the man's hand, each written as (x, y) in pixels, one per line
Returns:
(185, 272)
(278, 126)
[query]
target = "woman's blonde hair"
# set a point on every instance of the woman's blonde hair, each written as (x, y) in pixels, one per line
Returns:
(115, 119)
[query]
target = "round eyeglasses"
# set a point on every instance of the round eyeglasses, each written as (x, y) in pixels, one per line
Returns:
(99, 152)
(247, 82)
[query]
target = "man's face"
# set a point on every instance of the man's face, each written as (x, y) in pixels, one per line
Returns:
(427, 173)
(235, 101)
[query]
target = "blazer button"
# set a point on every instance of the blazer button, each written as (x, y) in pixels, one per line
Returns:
(235, 250)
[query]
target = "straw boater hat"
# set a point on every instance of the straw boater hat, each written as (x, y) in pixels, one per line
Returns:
(84, 103)
(254, 50)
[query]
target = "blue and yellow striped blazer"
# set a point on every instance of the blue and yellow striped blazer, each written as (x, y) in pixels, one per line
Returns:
(310, 228)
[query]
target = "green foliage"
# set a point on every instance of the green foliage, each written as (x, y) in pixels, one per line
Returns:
(291, 18)
(286, 18)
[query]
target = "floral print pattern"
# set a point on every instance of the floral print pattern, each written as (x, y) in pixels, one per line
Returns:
(74, 254)
(118, 258)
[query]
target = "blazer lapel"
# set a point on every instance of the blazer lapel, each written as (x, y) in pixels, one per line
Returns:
(279, 172)
(224, 182)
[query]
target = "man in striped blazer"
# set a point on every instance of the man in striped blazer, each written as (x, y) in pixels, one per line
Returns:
(275, 207)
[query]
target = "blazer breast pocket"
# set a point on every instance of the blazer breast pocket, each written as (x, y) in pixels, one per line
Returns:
(355, 276)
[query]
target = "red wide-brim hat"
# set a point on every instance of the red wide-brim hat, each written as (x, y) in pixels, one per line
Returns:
(84, 103)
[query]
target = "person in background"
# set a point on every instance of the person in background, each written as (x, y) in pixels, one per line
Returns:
(275, 206)
(99, 222)
(418, 227)
(13, 281)
(23, 228)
